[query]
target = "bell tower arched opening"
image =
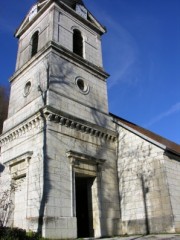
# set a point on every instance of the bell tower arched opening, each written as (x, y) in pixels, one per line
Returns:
(77, 42)
(34, 43)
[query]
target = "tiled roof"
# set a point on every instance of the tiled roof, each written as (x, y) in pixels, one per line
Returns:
(170, 146)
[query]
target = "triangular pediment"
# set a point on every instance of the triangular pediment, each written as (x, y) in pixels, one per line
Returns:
(36, 8)
(31, 14)
(93, 20)
(90, 17)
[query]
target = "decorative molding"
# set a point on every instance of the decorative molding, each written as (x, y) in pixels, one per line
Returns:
(18, 165)
(77, 160)
(67, 55)
(73, 123)
(25, 156)
(23, 128)
(75, 157)
(36, 122)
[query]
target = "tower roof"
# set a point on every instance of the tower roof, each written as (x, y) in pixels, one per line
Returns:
(71, 4)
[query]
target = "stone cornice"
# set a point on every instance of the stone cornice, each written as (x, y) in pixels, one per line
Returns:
(80, 125)
(77, 156)
(20, 130)
(25, 156)
(66, 54)
(58, 117)
(70, 55)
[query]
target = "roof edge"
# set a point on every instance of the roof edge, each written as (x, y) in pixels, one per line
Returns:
(152, 137)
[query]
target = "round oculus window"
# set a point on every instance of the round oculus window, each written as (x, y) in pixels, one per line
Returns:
(82, 85)
(27, 88)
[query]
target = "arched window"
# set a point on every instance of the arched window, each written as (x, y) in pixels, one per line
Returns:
(34, 43)
(77, 43)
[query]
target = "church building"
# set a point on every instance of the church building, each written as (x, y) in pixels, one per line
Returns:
(76, 169)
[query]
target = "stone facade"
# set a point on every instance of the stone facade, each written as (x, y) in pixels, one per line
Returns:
(76, 170)
(145, 197)
(172, 166)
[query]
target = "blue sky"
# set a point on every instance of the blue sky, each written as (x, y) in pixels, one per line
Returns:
(141, 51)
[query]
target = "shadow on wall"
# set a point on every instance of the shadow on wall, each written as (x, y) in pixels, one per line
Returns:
(57, 74)
(136, 172)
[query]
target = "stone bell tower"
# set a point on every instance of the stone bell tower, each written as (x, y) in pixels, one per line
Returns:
(59, 144)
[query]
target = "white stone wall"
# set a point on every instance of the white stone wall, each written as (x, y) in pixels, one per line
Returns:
(65, 95)
(42, 24)
(144, 195)
(22, 157)
(6, 204)
(62, 33)
(65, 23)
(60, 219)
(21, 107)
(172, 165)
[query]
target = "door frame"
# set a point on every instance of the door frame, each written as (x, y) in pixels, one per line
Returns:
(83, 164)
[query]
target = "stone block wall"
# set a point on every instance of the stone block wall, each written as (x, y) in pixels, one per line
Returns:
(42, 25)
(65, 94)
(60, 181)
(45, 176)
(145, 200)
(64, 24)
(22, 157)
(26, 100)
(172, 165)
